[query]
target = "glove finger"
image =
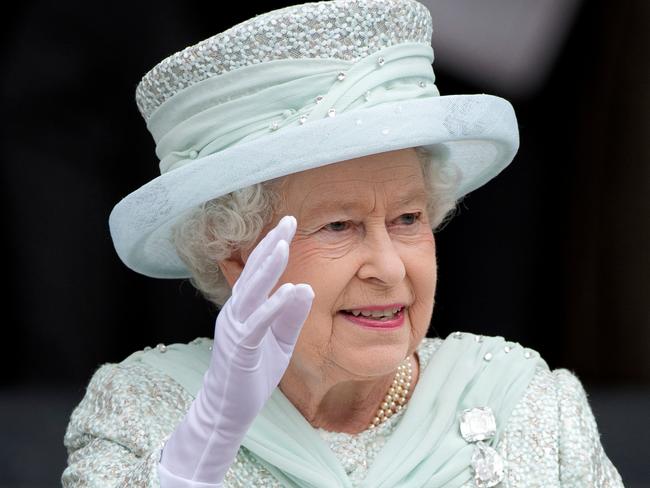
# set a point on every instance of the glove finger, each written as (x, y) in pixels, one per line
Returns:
(285, 229)
(252, 296)
(291, 316)
(260, 321)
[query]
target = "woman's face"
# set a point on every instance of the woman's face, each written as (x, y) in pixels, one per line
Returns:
(363, 239)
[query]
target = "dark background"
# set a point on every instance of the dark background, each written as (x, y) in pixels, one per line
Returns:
(553, 253)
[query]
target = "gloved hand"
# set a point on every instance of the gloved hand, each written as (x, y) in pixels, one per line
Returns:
(254, 338)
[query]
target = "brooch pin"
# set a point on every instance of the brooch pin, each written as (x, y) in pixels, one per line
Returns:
(476, 425)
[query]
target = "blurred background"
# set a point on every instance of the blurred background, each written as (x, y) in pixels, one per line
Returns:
(553, 253)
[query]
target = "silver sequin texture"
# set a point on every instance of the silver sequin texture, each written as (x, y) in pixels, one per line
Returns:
(116, 434)
(339, 29)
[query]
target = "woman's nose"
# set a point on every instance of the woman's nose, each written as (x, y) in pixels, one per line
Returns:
(381, 260)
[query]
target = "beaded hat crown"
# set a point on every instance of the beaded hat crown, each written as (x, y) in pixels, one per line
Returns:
(291, 90)
(348, 30)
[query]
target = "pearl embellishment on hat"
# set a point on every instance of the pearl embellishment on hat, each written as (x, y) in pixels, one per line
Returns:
(380, 61)
(331, 112)
(341, 76)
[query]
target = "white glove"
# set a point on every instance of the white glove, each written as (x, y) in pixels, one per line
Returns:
(254, 338)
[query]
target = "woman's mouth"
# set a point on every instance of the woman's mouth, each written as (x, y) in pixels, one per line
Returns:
(389, 318)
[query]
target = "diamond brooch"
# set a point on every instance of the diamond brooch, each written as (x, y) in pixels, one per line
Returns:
(476, 425)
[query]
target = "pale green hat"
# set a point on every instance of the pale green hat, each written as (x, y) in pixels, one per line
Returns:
(293, 89)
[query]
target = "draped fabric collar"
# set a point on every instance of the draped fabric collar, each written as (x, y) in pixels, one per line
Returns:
(426, 448)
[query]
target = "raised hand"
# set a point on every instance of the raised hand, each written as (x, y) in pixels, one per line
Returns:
(254, 338)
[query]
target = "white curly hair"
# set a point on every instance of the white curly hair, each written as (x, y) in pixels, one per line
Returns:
(221, 226)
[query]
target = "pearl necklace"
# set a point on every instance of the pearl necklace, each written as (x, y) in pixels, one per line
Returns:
(396, 397)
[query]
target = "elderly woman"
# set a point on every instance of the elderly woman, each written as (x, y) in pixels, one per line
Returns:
(307, 159)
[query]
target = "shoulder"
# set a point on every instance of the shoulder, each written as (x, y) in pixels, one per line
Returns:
(116, 432)
(583, 461)
(140, 387)
(552, 432)
(184, 363)
(129, 403)
(482, 349)
(149, 369)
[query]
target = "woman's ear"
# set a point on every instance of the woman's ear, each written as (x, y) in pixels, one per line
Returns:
(232, 267)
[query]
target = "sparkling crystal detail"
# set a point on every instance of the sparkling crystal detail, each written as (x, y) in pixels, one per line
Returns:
(380, 61)
(487, 465)
(275, 125)
(366, 95)
(161, 347)
(319, 99)
(457, 335)
(347, 31)
(527, 354)
(488, 356)
(331, 112)
(478, 338)
(507, 349)
(302, 119)
(341, 76)
(477, 424)
(422, 84)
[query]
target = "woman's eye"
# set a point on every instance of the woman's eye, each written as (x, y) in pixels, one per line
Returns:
(411, 218)
(340, 226)
(336, 226)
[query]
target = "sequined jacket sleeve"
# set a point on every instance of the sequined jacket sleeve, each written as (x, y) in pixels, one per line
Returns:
(116, 433)
(582, 459)
(552, 440)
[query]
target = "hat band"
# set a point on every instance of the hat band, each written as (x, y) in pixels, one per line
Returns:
(259, 99)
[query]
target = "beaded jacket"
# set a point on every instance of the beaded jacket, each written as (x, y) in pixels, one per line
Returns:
(116, 433)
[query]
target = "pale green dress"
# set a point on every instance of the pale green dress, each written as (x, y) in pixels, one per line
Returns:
(546, 433)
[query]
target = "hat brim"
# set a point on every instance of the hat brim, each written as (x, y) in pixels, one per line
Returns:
(478, 133)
